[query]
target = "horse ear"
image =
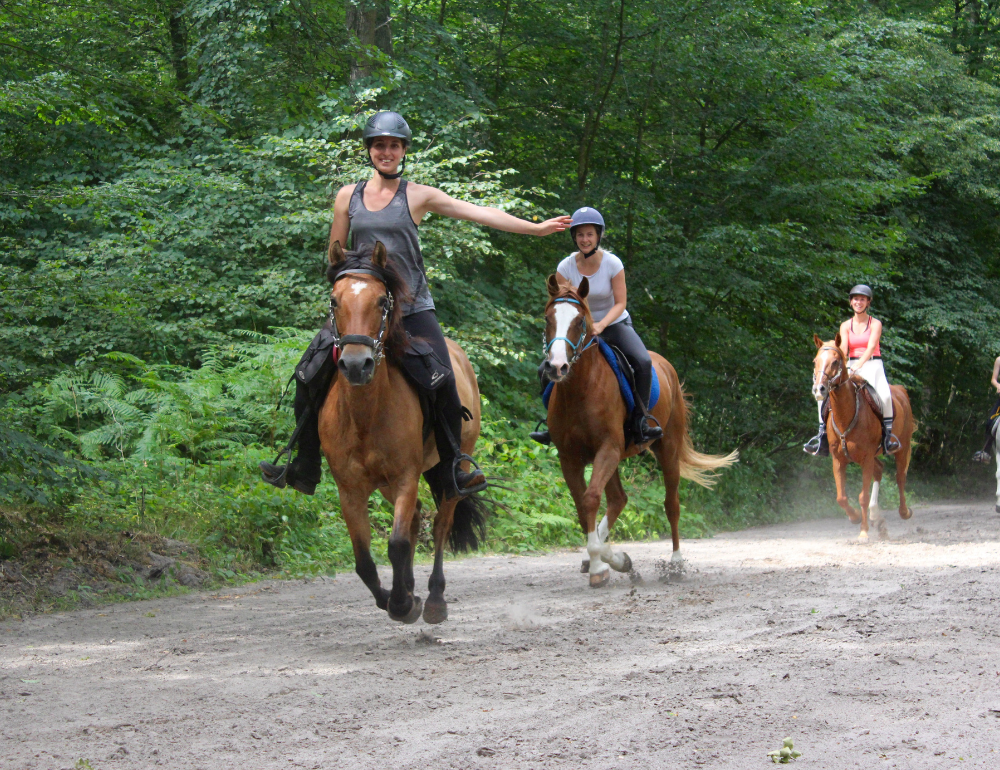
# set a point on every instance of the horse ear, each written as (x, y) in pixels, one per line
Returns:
(337, 254)
(378, 254)
(818, 341)
(836, 340)
(584, 288)
(553, 285)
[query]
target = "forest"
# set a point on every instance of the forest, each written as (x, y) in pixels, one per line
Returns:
(167, 170)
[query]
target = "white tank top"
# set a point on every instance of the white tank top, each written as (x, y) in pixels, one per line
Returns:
(601, 297)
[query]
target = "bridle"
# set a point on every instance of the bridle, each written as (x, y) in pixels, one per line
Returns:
(377, 344)
(578, 347)
(841, 370)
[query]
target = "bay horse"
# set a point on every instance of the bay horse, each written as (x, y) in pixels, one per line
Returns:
(855, 435)
(586, 419)
(371, 429)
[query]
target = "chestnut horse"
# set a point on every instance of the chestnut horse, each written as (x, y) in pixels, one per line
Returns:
(586, 422)
(855, 434)
(372, 432)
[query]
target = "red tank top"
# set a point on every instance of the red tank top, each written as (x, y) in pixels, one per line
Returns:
(857, 344)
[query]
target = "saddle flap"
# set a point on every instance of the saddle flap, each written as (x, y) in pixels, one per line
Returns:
(320, 350)
(872, 399)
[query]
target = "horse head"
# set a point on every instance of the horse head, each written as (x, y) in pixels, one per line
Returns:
(829, 367)
(567, 326)
(364, 310)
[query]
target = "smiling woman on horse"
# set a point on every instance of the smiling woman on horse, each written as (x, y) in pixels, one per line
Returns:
(607, 298)
(386, 208)
(859, 340)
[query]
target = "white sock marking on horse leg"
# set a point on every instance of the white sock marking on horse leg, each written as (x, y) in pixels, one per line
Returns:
(998, 472)
(873, 509)
(677, 556)
(594, 547)
(602, 529)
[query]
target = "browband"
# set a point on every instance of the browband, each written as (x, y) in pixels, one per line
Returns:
(357, 271)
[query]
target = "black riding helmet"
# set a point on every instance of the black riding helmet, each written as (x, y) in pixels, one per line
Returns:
(861, 289)
(387, 124)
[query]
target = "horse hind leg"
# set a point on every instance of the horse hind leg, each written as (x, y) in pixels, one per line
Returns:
(874, 511)
(436, 608)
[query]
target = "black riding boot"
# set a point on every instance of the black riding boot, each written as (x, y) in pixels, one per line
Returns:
(305, 471)
(818, 445)
(448, 419)
(890, 444)
(642, 431)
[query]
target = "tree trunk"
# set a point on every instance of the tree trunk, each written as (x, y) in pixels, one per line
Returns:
(178, 45)
(371, 22)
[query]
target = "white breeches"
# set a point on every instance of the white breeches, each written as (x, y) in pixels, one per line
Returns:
(874, 373)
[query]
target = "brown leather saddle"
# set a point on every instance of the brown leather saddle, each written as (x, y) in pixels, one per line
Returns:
(868, 396)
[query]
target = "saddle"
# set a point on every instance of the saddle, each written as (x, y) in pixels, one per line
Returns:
(626, 382)
(868, 395)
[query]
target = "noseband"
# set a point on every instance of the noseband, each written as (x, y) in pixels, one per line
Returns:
(377, 344)
(577, 349)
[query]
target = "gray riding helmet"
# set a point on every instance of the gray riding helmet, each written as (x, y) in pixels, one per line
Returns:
(387, 123)
(586, 216)
(864, 291)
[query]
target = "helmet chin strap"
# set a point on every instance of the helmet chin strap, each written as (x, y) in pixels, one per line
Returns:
(384, 175)
(592, 252)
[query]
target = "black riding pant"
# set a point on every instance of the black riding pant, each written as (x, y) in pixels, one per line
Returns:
(624, 337)
(447, 405)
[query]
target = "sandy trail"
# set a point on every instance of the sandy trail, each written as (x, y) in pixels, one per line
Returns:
(884, 655)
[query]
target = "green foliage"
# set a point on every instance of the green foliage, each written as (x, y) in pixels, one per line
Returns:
(167, 172)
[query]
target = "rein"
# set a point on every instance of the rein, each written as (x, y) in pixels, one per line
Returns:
(577, 350)
(842, 435)
(377, 344)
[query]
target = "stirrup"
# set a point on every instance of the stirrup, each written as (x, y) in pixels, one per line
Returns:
(981, 457)
(456, 470)
(818, 445)
(541, 436)
(891, 444)
(275, 474)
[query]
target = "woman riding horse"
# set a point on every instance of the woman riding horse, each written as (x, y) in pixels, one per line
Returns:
(859, 340)
(607, 298)
(388, 209)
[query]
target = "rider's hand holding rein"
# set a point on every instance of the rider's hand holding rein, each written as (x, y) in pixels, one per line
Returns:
(387, 153)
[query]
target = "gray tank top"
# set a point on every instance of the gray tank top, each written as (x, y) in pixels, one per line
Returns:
(394, 227)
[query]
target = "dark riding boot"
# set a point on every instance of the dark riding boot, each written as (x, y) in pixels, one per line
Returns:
(890, 444)
(818, 445)
(448, 419)
(305, 471)
(642, 431)
(541, 436)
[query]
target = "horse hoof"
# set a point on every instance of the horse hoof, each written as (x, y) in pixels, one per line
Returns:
(601, 579)
(909, 512)
(626, 563)
(863, 537)
(413, 615)
(585, 564)
(435, 612)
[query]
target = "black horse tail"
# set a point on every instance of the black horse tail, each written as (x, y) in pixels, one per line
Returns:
(468, 526)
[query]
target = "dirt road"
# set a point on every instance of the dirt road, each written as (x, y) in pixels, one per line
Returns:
(881, 655)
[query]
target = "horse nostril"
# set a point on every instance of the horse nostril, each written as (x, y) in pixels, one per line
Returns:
(368, 367)
(563, 369)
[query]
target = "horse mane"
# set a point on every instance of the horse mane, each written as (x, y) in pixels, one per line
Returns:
(361, 259)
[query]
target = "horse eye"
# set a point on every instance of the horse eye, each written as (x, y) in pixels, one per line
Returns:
(333, 302)
(383, 301)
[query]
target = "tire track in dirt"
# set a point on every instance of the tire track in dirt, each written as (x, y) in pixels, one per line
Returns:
(885, 655)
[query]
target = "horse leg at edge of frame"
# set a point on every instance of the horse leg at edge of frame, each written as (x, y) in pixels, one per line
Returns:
(615, 494)
(605, 464)
(404, 605)
(902, 468)
(874, 511)
(840, 476)
(865, 498)
(436, 608)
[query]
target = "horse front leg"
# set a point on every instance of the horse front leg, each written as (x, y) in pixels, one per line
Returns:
(865, 498)
(602, 558)
(840, 477)
(572, 470)
(404, 605)
(354, 508)
(617, 500)
(874, 511)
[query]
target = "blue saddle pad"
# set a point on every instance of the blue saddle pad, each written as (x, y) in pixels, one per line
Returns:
(623, 386)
